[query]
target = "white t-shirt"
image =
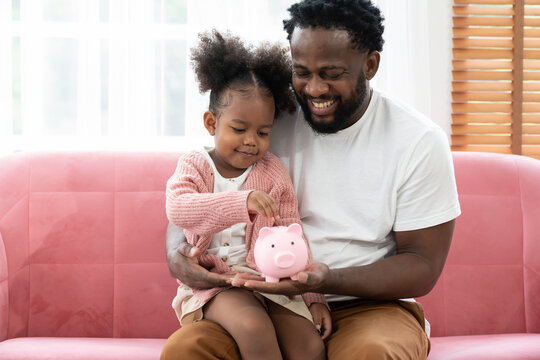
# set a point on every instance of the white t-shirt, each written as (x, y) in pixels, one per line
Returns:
(228, 244)
(390, 171)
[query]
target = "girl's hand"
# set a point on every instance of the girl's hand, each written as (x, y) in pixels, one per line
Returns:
(263, 204)
(321, 319)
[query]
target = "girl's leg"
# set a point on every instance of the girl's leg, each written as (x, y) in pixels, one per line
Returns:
(245, 318)
(297, 336)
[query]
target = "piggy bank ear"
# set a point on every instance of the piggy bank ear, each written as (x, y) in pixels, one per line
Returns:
(295, 229)
(265, 231)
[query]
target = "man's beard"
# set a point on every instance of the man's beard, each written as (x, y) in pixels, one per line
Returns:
(343, 113)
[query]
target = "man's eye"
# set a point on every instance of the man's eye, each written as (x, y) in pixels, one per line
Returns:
(333, 76)
(237, 130)
(301, 75)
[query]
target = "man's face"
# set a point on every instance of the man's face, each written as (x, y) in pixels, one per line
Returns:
(328, 78)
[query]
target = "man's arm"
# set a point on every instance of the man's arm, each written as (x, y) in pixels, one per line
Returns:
(182, 262)
(412, 272)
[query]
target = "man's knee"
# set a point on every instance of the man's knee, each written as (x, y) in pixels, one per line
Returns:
(368, 346)
(201, 340)
(387, 349)
(375, 349)
(169, 351)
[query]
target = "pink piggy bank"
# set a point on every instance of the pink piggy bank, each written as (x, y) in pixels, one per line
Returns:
(281, 252)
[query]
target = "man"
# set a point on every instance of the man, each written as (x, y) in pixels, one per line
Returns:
(376, 192)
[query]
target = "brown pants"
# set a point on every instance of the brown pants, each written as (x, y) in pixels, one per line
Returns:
(361, 330)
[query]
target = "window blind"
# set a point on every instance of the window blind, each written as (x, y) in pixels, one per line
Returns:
(496, 76)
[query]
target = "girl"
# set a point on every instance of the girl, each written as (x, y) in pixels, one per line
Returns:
(223, 196)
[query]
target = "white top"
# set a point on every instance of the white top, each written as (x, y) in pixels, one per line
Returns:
(229, 244)
(390, 171)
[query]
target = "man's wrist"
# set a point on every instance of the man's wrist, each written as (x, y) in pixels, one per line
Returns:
(330, 283)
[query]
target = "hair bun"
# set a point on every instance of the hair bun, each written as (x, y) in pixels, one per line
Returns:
(218, 59)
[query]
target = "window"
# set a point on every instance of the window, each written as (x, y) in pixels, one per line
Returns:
(496, 76)
(115, 74)
(112, 74)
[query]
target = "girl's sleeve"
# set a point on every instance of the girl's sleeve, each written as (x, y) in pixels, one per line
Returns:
(190, 203)
(288, 206)
(310, 298)
(288, 213)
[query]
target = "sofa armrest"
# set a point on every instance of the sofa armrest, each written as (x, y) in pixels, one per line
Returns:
(4, 292)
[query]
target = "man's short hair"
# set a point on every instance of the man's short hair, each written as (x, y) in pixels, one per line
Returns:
(360, 18)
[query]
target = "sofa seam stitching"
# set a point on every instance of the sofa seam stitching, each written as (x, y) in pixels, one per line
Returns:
(113, 332)
(518, 172)
(29, 192)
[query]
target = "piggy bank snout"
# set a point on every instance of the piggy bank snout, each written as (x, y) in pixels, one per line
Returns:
(284, 259)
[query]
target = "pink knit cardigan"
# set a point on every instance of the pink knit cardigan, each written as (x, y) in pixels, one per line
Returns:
(193, 205)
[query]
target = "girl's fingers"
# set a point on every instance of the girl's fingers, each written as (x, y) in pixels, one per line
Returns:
(275, 209)
(267, 208)
(272, 208)
(265, 205)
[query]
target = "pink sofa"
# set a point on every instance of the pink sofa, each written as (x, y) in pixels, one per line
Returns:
(83, 273)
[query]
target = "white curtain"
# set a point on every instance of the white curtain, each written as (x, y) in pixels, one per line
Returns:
(416, 59)
(253, 21)
(115, 74)
(415, 62)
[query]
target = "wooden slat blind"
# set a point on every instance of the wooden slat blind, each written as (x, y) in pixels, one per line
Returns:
(496, 76)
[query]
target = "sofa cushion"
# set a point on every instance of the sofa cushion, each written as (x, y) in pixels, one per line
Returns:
(486, 347)
(59, 348)
(91, 226)
(491, 279)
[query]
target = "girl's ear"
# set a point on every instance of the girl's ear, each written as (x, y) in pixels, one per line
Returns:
(210, 122)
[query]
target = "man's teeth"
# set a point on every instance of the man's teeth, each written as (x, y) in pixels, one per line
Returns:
(322, 105)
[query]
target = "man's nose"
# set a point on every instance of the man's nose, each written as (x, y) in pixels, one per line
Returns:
(315, 87)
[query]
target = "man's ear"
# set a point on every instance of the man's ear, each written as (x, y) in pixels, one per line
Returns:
(210, 122)
(372, 64)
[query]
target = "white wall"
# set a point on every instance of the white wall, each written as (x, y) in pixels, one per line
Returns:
(416, 61)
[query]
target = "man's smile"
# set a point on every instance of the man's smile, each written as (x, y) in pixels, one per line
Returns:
(322, 107)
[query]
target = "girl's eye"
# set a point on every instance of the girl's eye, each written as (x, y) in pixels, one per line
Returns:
(237, 130)
(263, 133)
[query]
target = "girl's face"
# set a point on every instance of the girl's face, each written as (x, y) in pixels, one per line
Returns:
(242, 131)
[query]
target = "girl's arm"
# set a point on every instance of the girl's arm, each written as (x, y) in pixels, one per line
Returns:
(192, 205)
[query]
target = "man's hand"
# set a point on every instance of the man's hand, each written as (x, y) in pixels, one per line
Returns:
(321, 319)
(309, 280)
(182, 262)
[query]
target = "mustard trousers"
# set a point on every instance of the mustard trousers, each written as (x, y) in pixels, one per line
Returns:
(361, 330)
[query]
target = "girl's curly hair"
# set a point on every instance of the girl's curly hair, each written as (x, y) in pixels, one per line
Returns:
(224, 62)
(360, 18)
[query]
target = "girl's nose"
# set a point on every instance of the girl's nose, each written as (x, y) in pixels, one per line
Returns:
(249, 140)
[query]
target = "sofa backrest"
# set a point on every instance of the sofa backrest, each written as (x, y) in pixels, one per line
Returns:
(84, 235)
(491, 281)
